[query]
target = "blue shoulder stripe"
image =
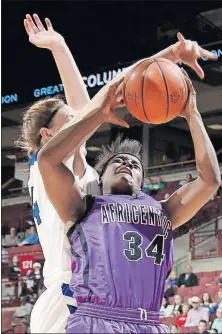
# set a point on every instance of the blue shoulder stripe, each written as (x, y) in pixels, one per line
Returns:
(32, 159)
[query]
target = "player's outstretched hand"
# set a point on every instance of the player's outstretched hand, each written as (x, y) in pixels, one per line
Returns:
(191, 105)
(188, 52)
(110, 98)
(38, 35)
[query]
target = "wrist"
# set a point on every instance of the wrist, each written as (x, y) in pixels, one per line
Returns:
(57, 45)
(193, 114)
(175, 52)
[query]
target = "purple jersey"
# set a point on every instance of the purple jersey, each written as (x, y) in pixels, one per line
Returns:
(122, 252)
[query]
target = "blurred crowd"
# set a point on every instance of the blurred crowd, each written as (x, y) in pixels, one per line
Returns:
(152, 186)
(24, 287)
(203, 311)
(13, 239)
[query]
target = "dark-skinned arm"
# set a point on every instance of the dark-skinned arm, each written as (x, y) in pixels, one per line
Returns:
(189, 199)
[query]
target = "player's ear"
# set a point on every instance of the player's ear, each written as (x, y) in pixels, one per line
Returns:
(44, 132)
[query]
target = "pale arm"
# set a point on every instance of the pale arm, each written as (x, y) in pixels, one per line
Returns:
(75, 90)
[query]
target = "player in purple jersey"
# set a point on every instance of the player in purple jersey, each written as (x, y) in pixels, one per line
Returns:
(121, 242)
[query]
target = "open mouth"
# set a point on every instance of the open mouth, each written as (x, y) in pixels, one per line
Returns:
(125, 171)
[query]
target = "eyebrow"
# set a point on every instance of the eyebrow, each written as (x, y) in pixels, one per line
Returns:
(125, 158)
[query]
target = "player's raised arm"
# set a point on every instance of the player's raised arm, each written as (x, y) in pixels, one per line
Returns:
(186, 201)
(75, 90)
(184, 51)
(74, 87)
(59, 182)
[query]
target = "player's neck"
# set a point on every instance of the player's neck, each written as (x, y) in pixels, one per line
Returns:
(117, 191)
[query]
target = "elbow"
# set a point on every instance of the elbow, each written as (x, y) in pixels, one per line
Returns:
(214, 185)
(217, 180)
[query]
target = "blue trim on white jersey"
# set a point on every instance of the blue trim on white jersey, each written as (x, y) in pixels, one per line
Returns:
(32, 159)
(67, 292)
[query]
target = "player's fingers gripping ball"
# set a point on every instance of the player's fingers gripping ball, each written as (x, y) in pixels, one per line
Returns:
(155, 91)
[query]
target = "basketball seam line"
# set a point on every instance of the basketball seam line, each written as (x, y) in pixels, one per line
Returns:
(129, 75)
(124, 86)
(143, 80)
(184, 82)
(186, 90)
(165, 83)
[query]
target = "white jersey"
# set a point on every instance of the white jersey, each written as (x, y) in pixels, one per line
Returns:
(51, 230)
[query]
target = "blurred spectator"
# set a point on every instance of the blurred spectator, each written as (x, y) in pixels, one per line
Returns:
(158, 183)
(5, 256)
(11, 239)
(24, 289)
(167, 159)
(189, 302)
(166, 308)
(14, 269)
(171, 284)
(217, 323)
(187, 180)
(181, 318)
(219, 302)
(23, 313)
(207, 302)
(31, 239)
(166, 196)
(36, 277)
(21, 235)
(170, 155)
(174, 329)
(188, 279)
(197, 313)
(219, 281)
(177, 306)
(202, 327)
(24, 309)
(147, 186)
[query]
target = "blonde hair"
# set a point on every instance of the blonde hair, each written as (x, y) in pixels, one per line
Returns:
(37, 116)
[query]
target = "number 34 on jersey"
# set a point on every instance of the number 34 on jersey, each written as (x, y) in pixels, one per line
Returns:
(134, 252)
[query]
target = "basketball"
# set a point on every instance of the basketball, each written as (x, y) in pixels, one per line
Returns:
(155, 91)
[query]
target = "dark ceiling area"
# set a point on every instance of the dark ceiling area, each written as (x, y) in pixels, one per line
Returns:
(98, 33)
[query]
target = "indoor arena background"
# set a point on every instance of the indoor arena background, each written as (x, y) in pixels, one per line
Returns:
(105, 38)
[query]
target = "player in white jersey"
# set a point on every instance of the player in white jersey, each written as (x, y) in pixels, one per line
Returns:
(40, 123)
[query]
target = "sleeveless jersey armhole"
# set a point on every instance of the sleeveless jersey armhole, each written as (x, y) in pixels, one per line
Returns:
(89, 199)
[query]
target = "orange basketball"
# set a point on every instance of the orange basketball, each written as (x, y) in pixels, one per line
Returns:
(155, 91)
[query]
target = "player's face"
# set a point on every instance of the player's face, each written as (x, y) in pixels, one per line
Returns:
(63, 116)
(123, 175)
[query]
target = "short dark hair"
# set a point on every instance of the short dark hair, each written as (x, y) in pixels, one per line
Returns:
(203, 321)
(118, 146)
